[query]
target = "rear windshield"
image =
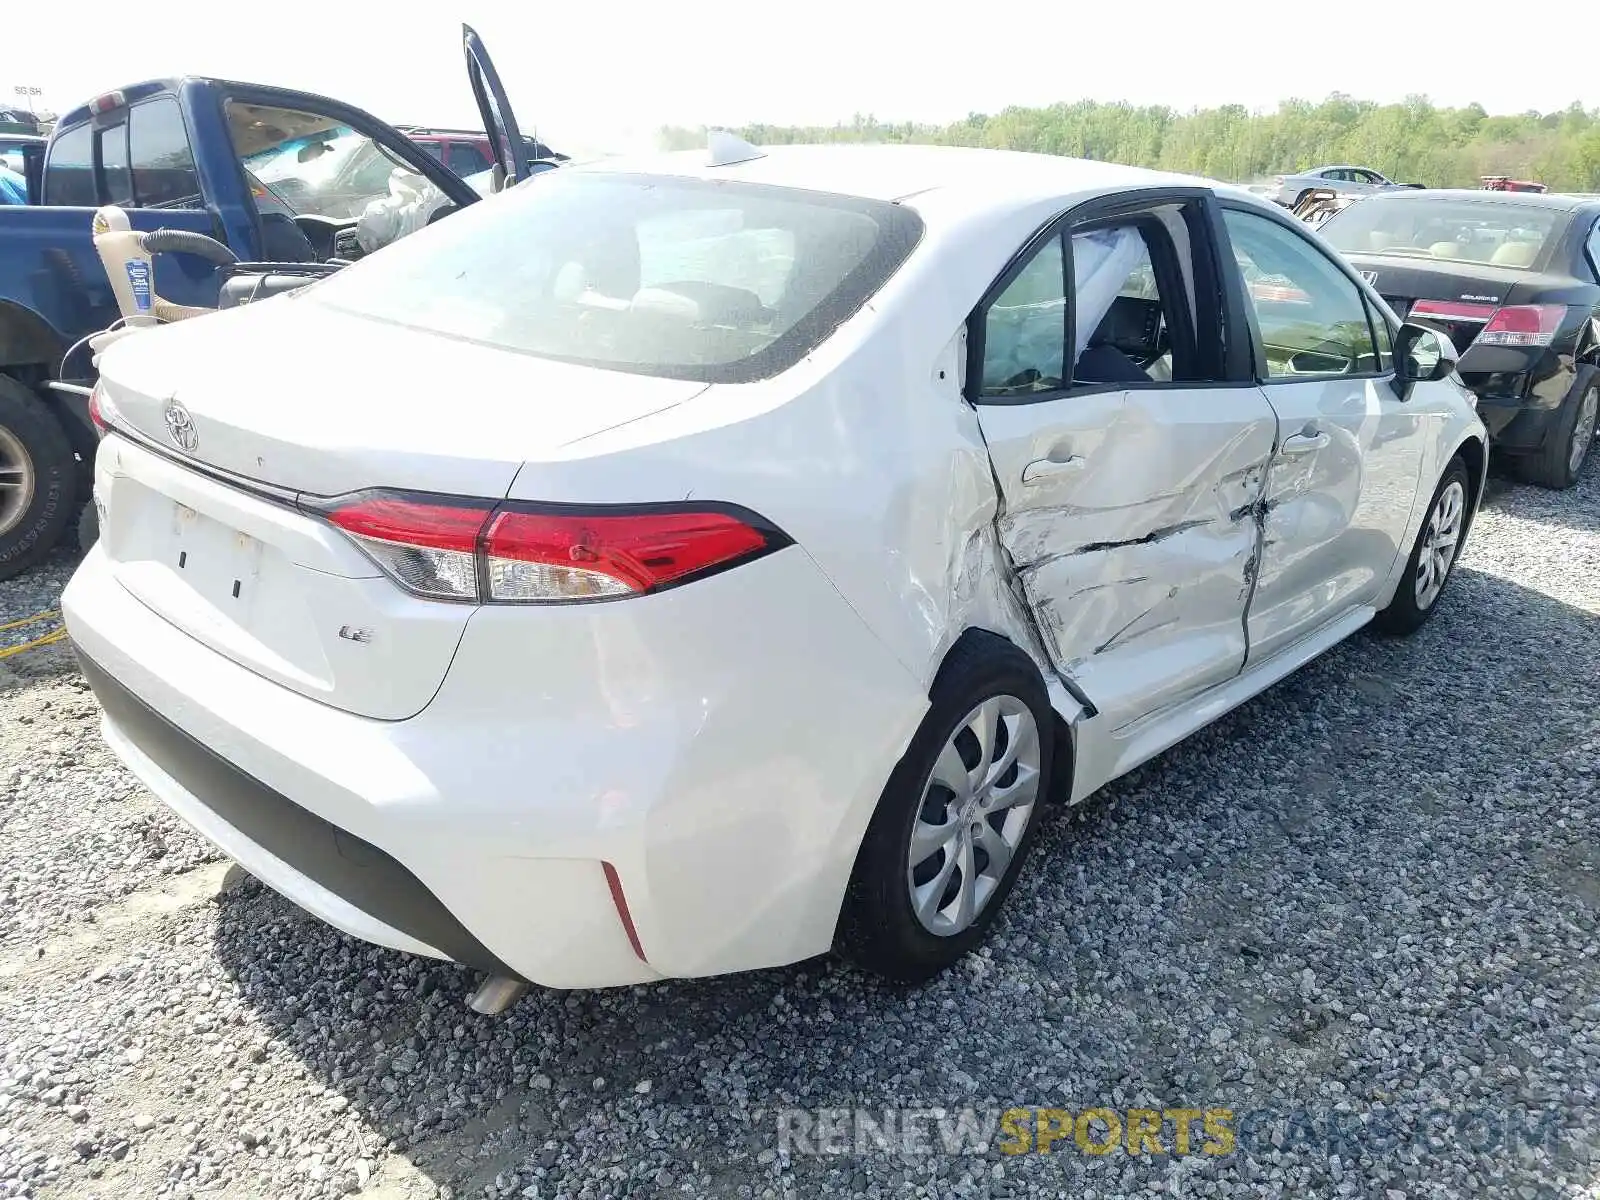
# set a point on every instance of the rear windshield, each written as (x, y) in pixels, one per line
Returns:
(723, 282)
(1473, 231)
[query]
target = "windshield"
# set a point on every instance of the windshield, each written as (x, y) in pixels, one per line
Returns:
(715, 281)
(332, 173)
(1472, 231)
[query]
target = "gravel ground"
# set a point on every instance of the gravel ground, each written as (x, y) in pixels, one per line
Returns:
(1365, 902)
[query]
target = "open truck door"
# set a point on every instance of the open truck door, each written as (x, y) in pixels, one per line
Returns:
(499, 122)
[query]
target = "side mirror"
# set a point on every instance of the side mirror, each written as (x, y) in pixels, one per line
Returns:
(1422, 355)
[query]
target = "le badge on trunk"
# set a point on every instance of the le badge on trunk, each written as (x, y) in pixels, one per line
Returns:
(180, 427)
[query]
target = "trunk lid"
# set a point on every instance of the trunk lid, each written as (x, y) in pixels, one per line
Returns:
(306, 398)
(296, 401)
(1402, 281)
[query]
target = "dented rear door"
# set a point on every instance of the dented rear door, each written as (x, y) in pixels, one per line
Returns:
(1132, 520)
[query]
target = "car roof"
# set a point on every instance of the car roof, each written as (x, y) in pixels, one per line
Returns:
(1558, 201)
(962, 177)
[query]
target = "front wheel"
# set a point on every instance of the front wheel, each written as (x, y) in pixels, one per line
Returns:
(1433, 557)
(38, 473)
(956, 819)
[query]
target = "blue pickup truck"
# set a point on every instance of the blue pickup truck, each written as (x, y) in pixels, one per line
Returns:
(277, 175)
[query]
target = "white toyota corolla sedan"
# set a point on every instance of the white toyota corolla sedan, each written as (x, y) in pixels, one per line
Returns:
(695, 564)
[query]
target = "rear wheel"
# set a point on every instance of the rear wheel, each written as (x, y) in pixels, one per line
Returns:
(37, 479)
(1433, 557)
(957, 819)
(1571, 437)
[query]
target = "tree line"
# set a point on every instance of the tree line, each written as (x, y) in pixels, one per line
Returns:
(1411, 142)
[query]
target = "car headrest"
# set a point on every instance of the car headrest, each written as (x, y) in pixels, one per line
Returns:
(1515, 254)
(1445, 250)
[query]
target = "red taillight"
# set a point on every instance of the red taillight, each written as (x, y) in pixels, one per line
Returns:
(1523, 325)
(581, 555)
(1514, 325)
(97, 416)
(448, 549)
(1452, 310)
(101, 105)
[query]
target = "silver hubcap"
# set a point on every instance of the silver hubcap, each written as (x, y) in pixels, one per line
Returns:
(1439, 541)
(16, 479)
(1583, 431)
(975, 807)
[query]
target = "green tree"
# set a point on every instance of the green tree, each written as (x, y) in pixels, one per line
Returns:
(1413, 141)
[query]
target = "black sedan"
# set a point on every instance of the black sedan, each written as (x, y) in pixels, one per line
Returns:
(1514, 280)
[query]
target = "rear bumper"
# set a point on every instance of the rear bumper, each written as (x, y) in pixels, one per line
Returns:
(1519, 392)
(721, 746)
(349, 883)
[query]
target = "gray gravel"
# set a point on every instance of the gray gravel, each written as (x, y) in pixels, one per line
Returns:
(1369, 897)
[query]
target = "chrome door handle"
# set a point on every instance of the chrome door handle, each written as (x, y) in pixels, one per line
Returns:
(1047, 468)
(1303, 443)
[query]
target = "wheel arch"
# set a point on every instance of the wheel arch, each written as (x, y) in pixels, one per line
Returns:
(1474, 452)
(976, 640)
(26, 338)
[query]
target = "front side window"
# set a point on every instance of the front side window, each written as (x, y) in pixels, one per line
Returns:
(1311, 316)
(69, 173)
(721, 281)
(163, 164)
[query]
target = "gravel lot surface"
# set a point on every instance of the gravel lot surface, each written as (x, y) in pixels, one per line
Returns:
(1366, 900)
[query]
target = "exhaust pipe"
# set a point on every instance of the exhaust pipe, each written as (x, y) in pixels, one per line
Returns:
(496, 994)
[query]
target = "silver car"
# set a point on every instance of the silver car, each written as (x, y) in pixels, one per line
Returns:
(1288, 190)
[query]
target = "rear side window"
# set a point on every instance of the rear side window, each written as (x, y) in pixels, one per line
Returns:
(69, 172)
(719, 281)
(1594, 249)
(435, 150)
(163, 165)
(114, 164)
(467, 159)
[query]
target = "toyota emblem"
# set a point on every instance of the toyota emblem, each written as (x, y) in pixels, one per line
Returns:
(180, 427)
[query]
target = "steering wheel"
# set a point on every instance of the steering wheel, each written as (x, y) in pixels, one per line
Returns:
(1160, 345)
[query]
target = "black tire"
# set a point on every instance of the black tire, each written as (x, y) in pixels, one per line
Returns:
(88, 526)
(878, 929)
(1404, 615)
(1552, 467)
(33, 532)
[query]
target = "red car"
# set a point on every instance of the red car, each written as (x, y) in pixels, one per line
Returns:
(466, 151)
(1499, 183)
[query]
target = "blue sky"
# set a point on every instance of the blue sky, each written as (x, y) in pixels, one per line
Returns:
(605, 74)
